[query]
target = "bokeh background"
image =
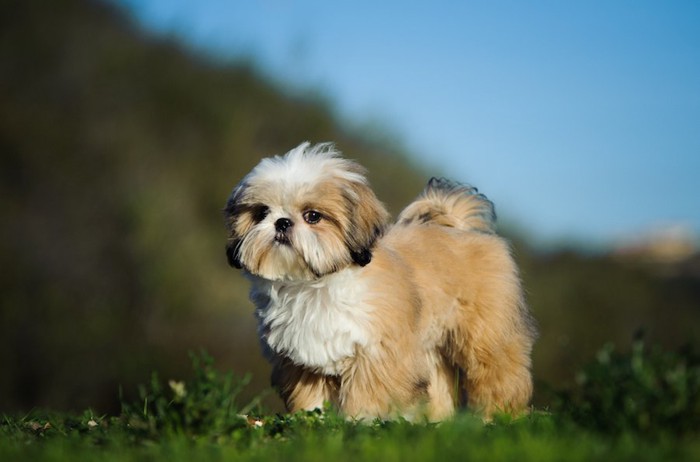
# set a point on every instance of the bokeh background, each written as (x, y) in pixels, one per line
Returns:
(125, 124)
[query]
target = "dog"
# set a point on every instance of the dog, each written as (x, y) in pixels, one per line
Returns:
(410, 320)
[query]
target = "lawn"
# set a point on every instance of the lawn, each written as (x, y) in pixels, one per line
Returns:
(641, 405)
(309, 437)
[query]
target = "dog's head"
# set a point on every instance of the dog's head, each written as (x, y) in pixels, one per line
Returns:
(303, 215)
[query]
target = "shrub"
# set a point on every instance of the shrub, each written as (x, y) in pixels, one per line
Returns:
(647, 390)
(204, 405)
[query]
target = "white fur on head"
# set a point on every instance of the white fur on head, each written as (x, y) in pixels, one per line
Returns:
(286, 188)
(307, 164)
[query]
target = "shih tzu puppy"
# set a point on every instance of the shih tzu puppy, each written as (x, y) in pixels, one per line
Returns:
(413, 319)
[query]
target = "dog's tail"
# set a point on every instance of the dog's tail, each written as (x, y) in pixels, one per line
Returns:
(451, 204)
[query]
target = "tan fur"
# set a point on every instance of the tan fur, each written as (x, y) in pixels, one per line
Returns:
(448, 324)
(452, 304)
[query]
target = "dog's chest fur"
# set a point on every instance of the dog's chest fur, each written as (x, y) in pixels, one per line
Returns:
(316, 324)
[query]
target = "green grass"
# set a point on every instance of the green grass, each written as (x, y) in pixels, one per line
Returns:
(309, 437)
(201, 420)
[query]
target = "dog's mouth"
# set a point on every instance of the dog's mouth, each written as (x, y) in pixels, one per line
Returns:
(281, 238)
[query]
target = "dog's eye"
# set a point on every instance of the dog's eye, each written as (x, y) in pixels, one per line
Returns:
(312, 217)
(260, 212)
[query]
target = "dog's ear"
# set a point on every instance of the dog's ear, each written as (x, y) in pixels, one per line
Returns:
(233, 254)
(362, 258)
(231, 214)
(368, 219)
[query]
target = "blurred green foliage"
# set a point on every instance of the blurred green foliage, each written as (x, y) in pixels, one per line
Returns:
(118, 149)
(585, 301)
(648, 390)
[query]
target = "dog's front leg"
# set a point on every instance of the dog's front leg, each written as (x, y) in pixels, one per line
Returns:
(383, 386)
(300, 388)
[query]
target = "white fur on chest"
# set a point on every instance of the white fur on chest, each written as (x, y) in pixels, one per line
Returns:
(316, 324)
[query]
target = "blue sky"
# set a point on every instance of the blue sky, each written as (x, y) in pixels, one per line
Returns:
(581, 120)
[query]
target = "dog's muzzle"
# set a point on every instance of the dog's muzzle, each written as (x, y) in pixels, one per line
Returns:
(281, 227)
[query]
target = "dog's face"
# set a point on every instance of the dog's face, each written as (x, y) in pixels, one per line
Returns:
(302, 216)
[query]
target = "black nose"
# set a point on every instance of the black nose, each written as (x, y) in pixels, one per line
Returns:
(283, 224)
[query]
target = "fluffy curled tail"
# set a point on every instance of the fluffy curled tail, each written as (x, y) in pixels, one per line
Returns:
(451, 204)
